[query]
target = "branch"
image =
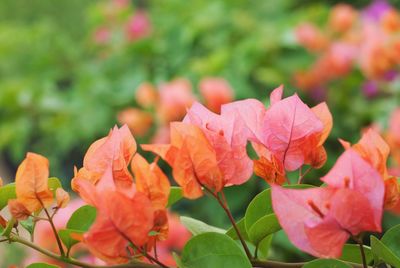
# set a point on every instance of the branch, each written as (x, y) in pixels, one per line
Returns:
(16, 239)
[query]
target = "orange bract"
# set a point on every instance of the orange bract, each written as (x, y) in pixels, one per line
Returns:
(192, 159)
(18, 210)
(31, 183)
(62, 198)
(112, 152)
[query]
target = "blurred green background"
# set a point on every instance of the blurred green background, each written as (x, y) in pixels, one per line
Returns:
(60, 89)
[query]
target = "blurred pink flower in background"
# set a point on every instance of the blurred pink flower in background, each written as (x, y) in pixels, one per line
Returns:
(138, 26)
(175, 97)
(101, 35)
(138, 121)
(216, 92)
(310, 37)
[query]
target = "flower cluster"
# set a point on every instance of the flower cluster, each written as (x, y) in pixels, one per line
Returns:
(207, 152)
(365, 40)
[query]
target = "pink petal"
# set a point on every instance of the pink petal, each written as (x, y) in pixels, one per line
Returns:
(355, 173)
(286, 125)
(276, 95)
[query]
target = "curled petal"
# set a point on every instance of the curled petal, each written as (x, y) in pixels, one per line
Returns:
(31, 182)
(18, 210)
(62, 198)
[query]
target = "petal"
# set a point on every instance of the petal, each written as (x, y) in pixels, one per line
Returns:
(31, 182)
(326, 238)
(323, 113)
(276, 95)
(286, 125)
(151, 181)
(353, 172)
(294, 211)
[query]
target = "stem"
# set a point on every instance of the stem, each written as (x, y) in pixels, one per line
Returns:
(50, 254)
(302, 175)
(275, 264)
(364, 260)
(224, 205)
(55, 232)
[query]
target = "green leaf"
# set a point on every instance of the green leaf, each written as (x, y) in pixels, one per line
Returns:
(242, 229)
(197, 227)
(10, 225)
(213, 250)
(263, 247)
(174, 195)
(53, 184)
(392, 240)
(326, 263)
(82, 218)
(7, 192)
(41, 265)
(387, 249)
(260, 206)
(264, 227)
(28, 225)
(351, 253)
(65, 236)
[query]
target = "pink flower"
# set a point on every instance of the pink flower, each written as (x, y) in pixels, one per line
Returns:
(227, 134)
(216, 92)
(286, 135)
(102, 35)
(175, 97)
(138, 26)
(320, 221)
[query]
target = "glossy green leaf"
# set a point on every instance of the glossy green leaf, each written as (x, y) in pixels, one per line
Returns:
(28, 225)
(197, 227)
(41, 265)
(260, 206)
(351, 253)
(326, 263)
(213, 250)
(263, 247)
(53, 184)
(264, 227)
(65, 236)
(392, 240)
(174, 195)
(387, 249)
(82, 218)
(7, 192)
(242, 229)
(7, 231)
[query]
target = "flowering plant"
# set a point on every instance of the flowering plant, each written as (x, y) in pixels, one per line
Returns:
(126, 219)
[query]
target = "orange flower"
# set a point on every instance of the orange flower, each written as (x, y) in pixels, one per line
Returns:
(62, 198)
(175, 97)
(31, 183)
(138, 121)
(192, 158)
(216, 92)
(123, 218)
(372, 148)
(342, 17)
(310, 37)
(108, 154)
(151, 181)
(146, 95)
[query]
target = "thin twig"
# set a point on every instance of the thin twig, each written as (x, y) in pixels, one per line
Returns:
(302, 175)
(72, 261)
(224, 205)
